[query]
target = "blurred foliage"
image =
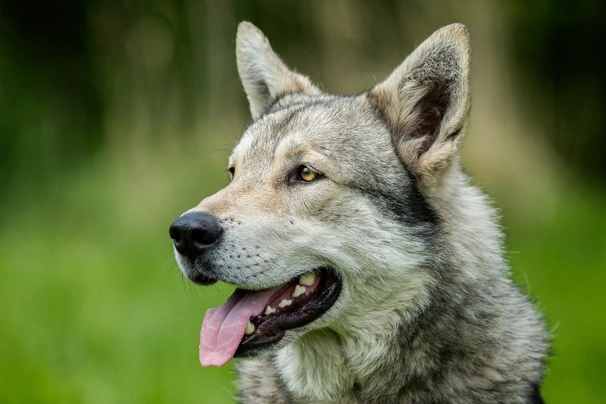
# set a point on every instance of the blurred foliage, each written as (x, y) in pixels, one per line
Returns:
(554, 44)
(117, 116)
(67, 67)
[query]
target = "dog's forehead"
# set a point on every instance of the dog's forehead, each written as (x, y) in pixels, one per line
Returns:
(325, 124)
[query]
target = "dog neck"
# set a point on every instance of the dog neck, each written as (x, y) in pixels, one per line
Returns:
(351, 361)
(413, 341)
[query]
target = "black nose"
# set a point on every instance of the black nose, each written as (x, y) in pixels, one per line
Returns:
(194, 232)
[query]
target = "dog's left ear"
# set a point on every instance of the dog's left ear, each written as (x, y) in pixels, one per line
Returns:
(426, 101)
(264, 76)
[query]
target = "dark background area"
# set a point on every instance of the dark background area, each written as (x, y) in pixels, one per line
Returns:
(58, 60)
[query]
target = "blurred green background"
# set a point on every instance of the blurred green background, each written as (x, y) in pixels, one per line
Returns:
(116, 116)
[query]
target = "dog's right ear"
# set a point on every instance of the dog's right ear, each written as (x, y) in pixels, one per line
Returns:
(426, 101)
(264, 76)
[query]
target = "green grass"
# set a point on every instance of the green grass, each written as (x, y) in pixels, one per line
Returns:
(561, 260)
(94, 309)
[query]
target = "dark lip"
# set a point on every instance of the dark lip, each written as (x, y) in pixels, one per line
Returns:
(201, 279)
(271, 329)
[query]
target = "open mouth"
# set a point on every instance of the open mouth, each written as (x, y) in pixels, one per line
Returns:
(250, 321)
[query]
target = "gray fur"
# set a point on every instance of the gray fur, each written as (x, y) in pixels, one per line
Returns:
(427, 312)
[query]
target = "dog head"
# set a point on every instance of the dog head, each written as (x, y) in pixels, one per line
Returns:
(328, 216)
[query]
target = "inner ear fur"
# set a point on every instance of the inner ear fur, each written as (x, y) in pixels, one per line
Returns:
(426, 101)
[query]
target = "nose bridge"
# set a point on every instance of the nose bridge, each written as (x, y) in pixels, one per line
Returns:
(239, 199)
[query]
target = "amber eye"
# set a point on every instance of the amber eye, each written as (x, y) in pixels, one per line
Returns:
(307, 174)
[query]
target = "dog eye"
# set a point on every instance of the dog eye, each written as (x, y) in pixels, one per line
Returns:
(307, 174)
(232, 172)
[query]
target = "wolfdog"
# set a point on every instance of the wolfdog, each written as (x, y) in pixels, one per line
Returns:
(367, 268)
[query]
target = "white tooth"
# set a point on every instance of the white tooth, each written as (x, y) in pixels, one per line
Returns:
(250, 328)
(284, 303)
(299, 290)
(269, 310)
(307, 279)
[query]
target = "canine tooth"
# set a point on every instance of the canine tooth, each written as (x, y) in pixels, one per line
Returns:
(299, 290)
(307, 279)
(284, 303)
(250, 328)
(269, 310)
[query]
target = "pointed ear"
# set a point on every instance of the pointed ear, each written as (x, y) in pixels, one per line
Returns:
(264, 76)
(426, 101)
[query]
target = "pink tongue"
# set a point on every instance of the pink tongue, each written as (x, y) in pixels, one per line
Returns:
(223, 327)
